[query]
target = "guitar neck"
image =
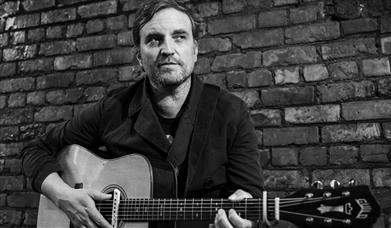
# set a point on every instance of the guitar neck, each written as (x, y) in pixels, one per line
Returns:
(133, 210)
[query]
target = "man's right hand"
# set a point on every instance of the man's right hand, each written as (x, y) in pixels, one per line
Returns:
(77, 204)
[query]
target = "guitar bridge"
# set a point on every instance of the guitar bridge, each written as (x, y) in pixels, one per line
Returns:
(114, 213)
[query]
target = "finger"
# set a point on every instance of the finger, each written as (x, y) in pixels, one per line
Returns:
(97, 195)
(239, 195)
(237, 221)
(221, 220)
(97, 217)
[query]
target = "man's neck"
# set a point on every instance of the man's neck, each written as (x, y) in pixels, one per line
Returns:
(168, 102)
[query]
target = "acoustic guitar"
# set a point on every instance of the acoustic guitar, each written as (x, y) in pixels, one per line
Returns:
(130, 180)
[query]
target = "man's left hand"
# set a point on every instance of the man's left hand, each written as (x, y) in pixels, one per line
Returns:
(233, 219)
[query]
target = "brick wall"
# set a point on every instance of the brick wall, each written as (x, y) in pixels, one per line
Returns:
(315, 73)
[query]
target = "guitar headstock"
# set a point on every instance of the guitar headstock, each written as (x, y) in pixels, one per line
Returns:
(340, 207)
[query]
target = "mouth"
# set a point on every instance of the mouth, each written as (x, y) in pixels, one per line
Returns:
(167, 64)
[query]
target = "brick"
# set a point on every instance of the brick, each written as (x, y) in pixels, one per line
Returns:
(54, 32)
(283, 179)
(30, 217)
(57, 80)
(17, 37)
(284, 2)
(117, 23)
(36, 98)
(375, 153)
(313, 114)
(250, 97)
(384, 87)
(266, 117)
(31, 131)
(350, 132)
(3, 198)
(264, 154)
(260, 77)
(237, 60)
(343, 70)
(131, 19)
(382, 196)
(17, 84)
(76, 61)
(215, 79)
(232, 6)
(13, 166)
(346, 91)
(95, 42)
(10, 149)
(36, 35)
(19, 52)
(343, 155)
(130, 73)
(64, 96)
(94, 93)
(202, 66)
(11, 183)
(385, 23)
(290, 55)
(386, 45)
(10, 217)
(387, 130)
(125, 39)
(363, 110)
(359, 25)
(97, 9)
(31, 5)
(290, 135)
(285, 156)
(287, 75)
(94, 26)
(9, 134)
(7, 69)
(306, 14)
(3, 101)
(316, 72)
(36, 65)
(362, 176)
(214, 44)
(376, 67)
(231, 24)
(3, 39)
(311, 33)
(57, 47)
(260, 38)
(74, 30)
(16, 100)
(382, 177)
(114, 56)
(236, 79)
(23, 21)
(23, 199)
(207, 9)
(96, 76)
(9, 8)
(15, 116)
(272, 18)
(313, 156)
(53, 113)
(349, 48)
(288, 96)
(131, 4)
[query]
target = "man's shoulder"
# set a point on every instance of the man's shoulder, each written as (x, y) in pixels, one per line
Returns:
(225, 97)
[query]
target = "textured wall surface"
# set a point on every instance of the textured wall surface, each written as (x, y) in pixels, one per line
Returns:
(315, 74)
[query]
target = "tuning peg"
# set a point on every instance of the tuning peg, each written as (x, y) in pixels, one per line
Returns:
(317, 185)
(352, 182)
(334, 184)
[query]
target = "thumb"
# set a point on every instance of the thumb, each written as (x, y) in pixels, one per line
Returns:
(97, 195)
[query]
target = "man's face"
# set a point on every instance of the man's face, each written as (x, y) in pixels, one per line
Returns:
(168, 49)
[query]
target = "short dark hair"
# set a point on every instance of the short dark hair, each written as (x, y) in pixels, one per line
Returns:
(149, 9)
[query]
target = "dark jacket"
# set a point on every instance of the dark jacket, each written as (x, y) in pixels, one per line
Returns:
(219, 143)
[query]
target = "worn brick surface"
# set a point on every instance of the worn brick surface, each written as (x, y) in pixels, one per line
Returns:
(77, 61)
(311, 33)
(260, 38)
(7, 69)
(57, 47)
(117, 23)
(55, 32)
(349, 48)
(125, 39)
(313, 114)
(285, 2)
(284, 156)
(30, 217)
(23, 199)
(283, 179)
(64, 96)
(343, 70)
(385, 23)
(202, 66)
(11, 183)
(207, 9)
(261, 77)
(94, 76)
(237, 60)
(31, 5)
(250, 97)
(266, 117)
(376, 67)
(350, 132)
(9, 8)
(99, 8)
(3, 39)
(19, 52)
(17, 84)
(10, 217)
(346, 91)
(53, 113)
(35, 65)
(272, 18)
(55, 80)
(18, 37)
(22, 21)
(362, 176)
(375, 153)
(114, 56)
(16, 100)
(345, 154)
(231, 24)
(59, 15)
(94, 26)
(35, 35)
(236, 79)
(288, 96)
(386, 45)
(313, 156)
(287, 75)
(291, 55)
(387, 130)
(306, 13)
(359, 25)
(215, 79)
(95, 42)
(315, 72)
(291, 135)
(366, 110)
(15, 116)
(10, 149)
(382, 177)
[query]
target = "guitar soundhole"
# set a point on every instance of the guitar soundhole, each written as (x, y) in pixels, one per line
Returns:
(105, 207)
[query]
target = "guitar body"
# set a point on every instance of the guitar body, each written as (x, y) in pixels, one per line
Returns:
(132, 174)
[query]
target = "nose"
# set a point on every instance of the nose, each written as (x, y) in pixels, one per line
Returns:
(167, 48)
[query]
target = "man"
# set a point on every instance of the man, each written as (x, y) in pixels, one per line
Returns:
(205, 132)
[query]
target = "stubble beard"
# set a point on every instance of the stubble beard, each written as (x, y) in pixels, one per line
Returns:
(167, 78)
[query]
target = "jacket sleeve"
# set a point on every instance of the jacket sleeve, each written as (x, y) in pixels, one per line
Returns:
(39, 156)
(244, 169)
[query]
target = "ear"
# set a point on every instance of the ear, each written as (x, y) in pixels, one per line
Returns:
(195, 50)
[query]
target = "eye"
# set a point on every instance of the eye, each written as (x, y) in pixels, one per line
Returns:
(153, 42)
(179, 38)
